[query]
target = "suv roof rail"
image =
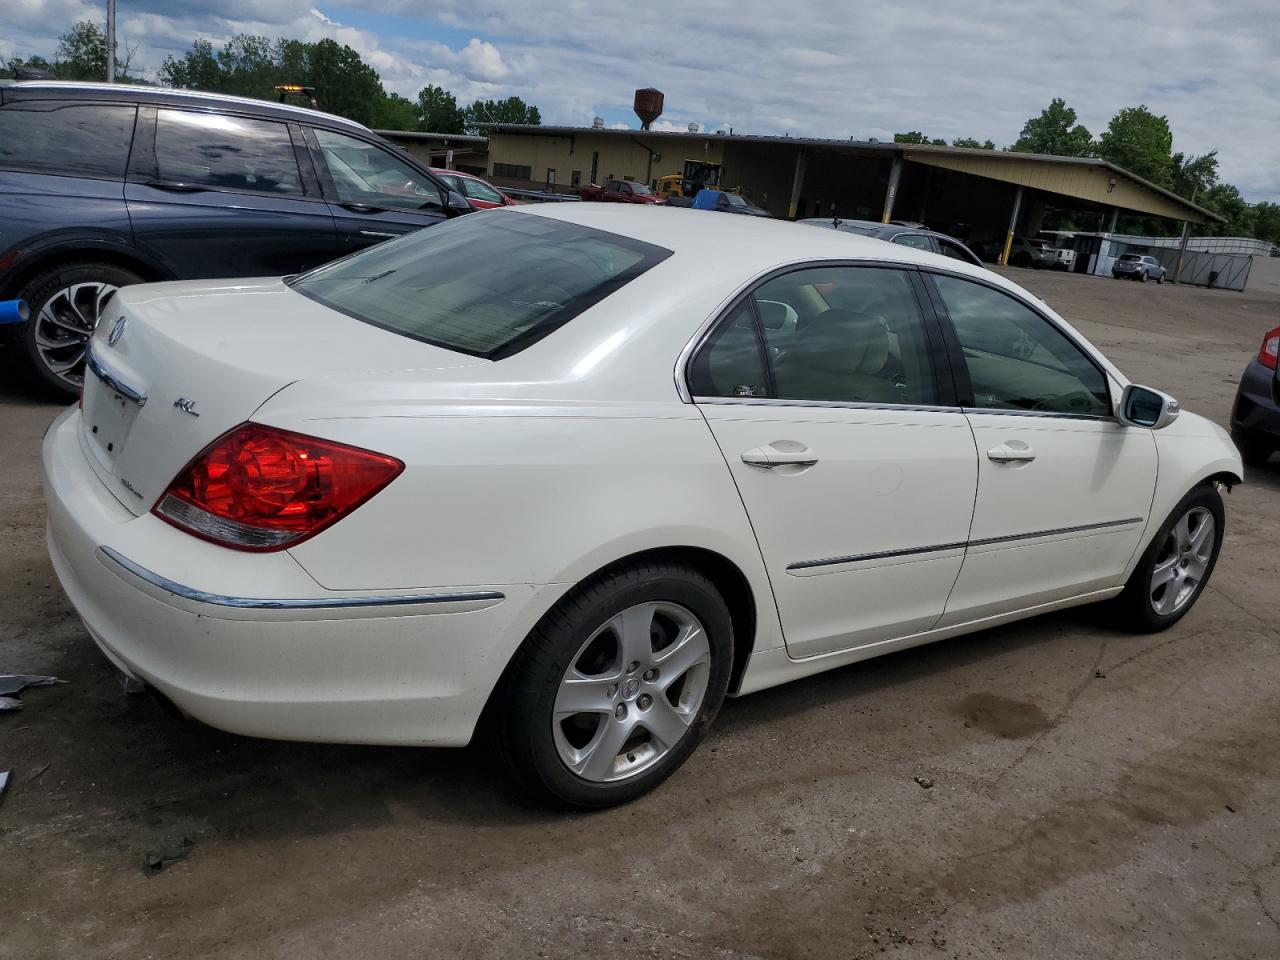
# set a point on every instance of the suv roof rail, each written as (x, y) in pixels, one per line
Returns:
(144, 93)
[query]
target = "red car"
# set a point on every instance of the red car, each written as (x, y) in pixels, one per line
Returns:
(482, 194)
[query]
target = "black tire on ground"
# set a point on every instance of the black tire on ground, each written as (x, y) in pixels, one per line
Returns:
(1134, 604)
(1254, 450)
(37, 292)
(1160, 279)
(1142, 277)
(522, 726)
(1021, 260)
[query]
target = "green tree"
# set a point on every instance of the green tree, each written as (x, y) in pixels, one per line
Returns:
(438, 111)
(973, 144)
(915, 136)
(510, 110)
(1055, 132)
(396, 113)
(344, 83)
(1140, 142)
(1194, 175)
(198, 69)
(1266, 221)
(82, 53)
(1225, 200)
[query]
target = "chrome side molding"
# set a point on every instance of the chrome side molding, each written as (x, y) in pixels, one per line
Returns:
(309, 603)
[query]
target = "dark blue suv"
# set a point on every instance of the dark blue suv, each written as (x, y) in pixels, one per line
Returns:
(104, 185)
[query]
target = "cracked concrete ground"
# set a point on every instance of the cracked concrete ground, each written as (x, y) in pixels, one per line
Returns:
(1131, 815)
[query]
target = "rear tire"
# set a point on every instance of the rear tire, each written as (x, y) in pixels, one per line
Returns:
(66, 303)
(616, 686)
(1177, 564)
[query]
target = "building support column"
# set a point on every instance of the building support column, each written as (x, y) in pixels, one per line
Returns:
(1111, 224)
(891, 191)
(1182, 250)
(797, 184)
(1013, 225)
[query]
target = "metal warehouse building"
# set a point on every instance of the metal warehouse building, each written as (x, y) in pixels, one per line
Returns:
(976, 195)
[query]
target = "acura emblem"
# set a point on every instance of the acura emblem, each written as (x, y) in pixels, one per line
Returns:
(117, 331)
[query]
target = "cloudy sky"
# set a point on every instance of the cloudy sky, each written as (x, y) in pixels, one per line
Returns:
(839, 69)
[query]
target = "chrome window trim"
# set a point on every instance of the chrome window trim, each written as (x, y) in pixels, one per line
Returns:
(825, 404)
(749, 288)
(110, 379)
(1047, 414)
(315, 603)
(965, 544)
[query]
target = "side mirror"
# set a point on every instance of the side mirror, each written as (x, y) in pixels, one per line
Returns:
(457, 203)
(1144, 407)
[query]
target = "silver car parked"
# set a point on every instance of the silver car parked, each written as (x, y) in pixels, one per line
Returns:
(1134, 266)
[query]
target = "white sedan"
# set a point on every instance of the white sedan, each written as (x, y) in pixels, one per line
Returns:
(584, 470)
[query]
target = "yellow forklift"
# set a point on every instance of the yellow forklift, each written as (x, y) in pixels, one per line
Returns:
(698, 174)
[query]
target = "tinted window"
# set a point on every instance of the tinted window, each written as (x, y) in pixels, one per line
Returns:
(730, 363)
(1017, 359)
(488, 284)
(479, 190)
(846, 334)
(225, 153)
(917, 240)
(365, 173)
(957, 252)
(65, 139)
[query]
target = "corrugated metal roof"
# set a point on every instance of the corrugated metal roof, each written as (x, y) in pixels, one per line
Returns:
(431, 137)
(864, 147)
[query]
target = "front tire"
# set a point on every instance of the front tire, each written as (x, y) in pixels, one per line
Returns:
(66, 303)
(616, 686)
(1177, 564)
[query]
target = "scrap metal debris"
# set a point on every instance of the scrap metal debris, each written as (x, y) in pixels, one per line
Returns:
(153, 863)
(925, 782)
(11, 684)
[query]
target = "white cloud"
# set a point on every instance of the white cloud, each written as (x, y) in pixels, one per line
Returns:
(808, 67)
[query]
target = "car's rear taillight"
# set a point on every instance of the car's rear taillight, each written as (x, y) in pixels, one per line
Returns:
(259, 488)
(1270, 349)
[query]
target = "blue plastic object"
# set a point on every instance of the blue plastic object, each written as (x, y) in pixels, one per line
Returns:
(706, 199)
(14, 311)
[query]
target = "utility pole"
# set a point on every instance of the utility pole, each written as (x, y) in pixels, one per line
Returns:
(111, 41)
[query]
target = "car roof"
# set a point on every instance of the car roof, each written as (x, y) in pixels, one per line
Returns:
(740, 247)
(171, 96)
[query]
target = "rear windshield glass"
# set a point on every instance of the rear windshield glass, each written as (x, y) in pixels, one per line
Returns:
(487, 284)
(1130, 258)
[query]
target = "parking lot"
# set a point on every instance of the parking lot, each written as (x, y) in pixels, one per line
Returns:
(1094, 793)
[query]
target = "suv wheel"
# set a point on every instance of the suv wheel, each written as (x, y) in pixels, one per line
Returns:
(66, 303)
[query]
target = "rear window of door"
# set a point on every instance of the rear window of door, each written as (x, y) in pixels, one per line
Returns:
(1016, 358)
(364, 173)
(917, 240)
(830, 335)
(67, 139)
(221, 152)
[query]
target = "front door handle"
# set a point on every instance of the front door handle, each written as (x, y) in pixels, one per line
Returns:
(1011, 451)
(780, 453)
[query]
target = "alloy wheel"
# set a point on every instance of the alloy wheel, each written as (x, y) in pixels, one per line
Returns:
(631, 692)
(1183, 561)
(64, 325)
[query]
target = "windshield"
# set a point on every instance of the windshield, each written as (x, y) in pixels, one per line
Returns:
(487, 284)
(479, 190)
(640, 188)
(734, 200)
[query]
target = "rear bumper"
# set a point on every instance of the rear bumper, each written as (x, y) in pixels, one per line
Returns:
(1257, 407)
(288, 660)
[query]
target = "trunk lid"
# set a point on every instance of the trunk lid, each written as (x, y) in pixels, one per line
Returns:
(174, 366)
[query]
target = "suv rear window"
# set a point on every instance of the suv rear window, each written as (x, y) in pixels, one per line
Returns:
(67, 139)
(1130, 258)
(487, 284)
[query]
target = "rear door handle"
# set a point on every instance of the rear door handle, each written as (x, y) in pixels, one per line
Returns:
(1011, 451)
(781, 453)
